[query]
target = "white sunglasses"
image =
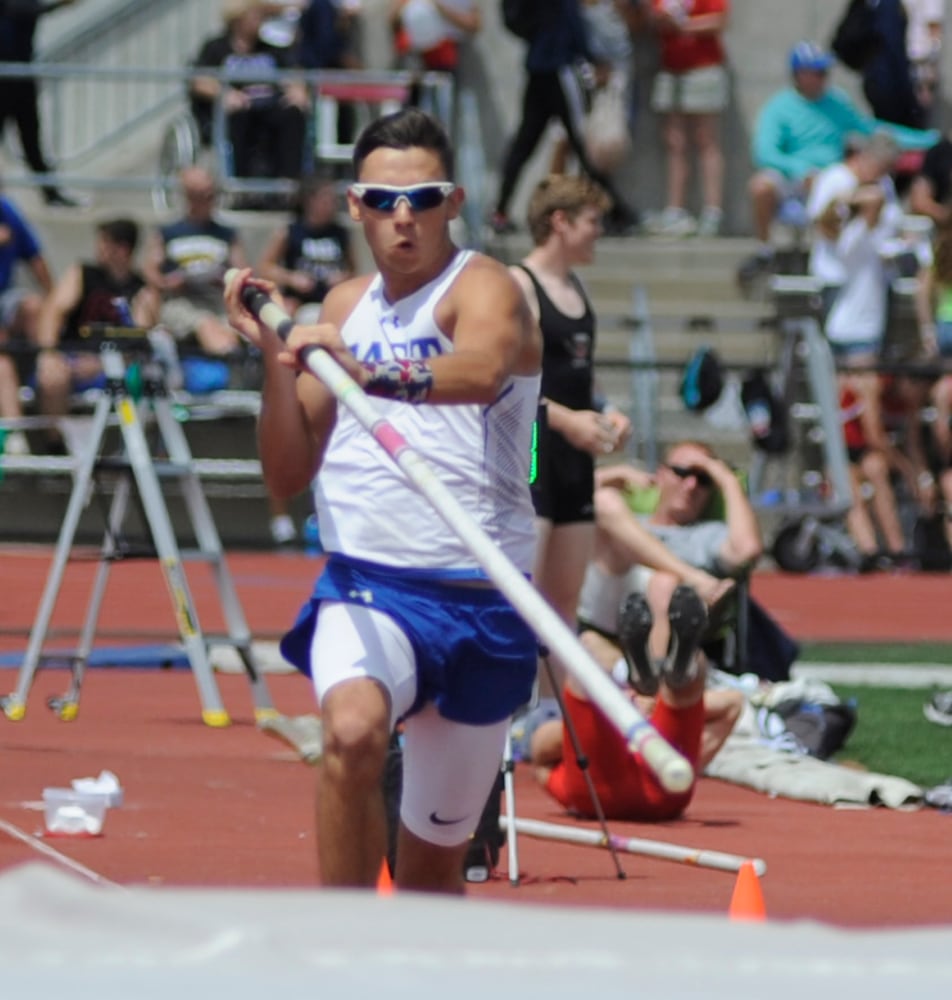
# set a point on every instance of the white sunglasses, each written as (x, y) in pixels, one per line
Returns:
(419, 197)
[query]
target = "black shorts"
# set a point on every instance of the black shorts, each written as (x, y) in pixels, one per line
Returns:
(564, 490)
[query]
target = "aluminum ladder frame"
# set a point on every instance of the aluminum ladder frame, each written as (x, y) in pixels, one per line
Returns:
(138, 465)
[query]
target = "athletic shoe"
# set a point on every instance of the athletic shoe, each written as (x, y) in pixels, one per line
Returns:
(940, 796)
(501, 224)
(673, 222)
(709, 221)
(939, 710)
(634, 624)
(283, 531)
(16, 444)
(57, 199)
(688, 618)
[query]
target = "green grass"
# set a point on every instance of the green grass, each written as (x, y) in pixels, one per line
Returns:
(874, 652)
(892, 736)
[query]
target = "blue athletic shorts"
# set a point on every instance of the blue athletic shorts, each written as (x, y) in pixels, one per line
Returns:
(475, 656)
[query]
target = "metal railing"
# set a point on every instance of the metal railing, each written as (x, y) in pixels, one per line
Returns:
(138, 102)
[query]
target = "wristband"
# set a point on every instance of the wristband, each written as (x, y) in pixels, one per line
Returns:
(399, 379)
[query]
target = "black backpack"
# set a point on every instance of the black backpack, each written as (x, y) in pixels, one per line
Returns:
(523, 17)
(765, 413)
(855, 40)
(702, 381)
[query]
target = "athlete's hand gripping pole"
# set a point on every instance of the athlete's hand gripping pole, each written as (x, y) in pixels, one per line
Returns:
(672, 770)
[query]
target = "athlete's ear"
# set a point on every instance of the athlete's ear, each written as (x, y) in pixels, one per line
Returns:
(354, 205)
(455, 203)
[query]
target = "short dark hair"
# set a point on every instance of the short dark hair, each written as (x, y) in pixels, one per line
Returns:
(122, 231)
(405, 129)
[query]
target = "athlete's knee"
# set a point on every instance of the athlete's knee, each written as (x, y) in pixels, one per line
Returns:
(356, 733)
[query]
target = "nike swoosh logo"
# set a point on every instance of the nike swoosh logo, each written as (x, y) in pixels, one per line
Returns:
(444, 822)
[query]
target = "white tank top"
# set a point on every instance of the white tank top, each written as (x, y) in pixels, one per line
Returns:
(367, 507)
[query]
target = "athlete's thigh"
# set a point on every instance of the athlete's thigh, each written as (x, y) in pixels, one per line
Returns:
(352, 641)
(448, 771)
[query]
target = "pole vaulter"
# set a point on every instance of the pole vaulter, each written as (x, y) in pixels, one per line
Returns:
(672, 770)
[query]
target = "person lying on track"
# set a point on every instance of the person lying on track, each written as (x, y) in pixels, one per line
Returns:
(673, 698)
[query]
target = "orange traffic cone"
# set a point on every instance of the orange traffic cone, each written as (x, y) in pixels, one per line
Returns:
(747, 901)
(384, 882)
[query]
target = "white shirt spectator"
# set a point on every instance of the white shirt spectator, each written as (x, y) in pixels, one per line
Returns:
(924, 29)
(855, 261)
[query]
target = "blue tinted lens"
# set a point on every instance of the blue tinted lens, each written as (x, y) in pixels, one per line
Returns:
(420, 199)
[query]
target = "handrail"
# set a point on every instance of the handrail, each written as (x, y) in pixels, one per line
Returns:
(436, 88)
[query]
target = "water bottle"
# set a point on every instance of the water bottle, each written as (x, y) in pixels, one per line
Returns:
(165, 352)
(312, 536)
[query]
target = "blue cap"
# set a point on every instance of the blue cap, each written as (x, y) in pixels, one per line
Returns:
(809, 56)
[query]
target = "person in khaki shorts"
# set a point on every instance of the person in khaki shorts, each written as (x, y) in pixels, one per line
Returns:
(186, 264)
(690, 92)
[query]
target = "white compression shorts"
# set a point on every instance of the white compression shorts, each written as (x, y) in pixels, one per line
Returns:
(448, 767)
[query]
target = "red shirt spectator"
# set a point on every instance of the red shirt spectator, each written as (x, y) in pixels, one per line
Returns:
(686, 50)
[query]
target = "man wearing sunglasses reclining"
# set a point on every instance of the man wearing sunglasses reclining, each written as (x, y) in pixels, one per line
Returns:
(644, 626)
(619, 580)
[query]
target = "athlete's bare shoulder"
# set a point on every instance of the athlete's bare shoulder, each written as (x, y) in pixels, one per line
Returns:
(341, 300)
(484, 276)
(486, 298)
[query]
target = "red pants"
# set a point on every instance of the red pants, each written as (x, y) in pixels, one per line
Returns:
(626, 787)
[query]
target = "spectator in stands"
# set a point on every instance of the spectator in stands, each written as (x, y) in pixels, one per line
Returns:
(329, 38)
(312, 253)
(609, 25)
(934, 313)
(186, 261)
(427, 34)
(553, 91)
(266, 121)
(931, 188)
(328, 35)
(702, 553)
(883, 431)
(799, 131)
(934, 296)
(924, 48)
(856, 216)
(88, 293)
(690, 93)
(19, 309)
(185, 264)
(19, 96)
(887, 74)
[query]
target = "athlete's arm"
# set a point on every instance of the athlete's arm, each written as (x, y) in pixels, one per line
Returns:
(494, 335)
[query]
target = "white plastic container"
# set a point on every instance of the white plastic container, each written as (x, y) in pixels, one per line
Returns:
(69, 813)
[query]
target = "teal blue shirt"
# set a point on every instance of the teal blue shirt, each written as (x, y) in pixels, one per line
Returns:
(796, 137)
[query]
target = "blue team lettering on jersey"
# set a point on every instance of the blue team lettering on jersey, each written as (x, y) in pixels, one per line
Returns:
(418, 347)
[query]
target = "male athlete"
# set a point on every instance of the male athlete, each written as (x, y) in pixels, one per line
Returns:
(403, 623)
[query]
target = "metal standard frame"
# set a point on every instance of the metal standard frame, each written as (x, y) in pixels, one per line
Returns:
(137, 462)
